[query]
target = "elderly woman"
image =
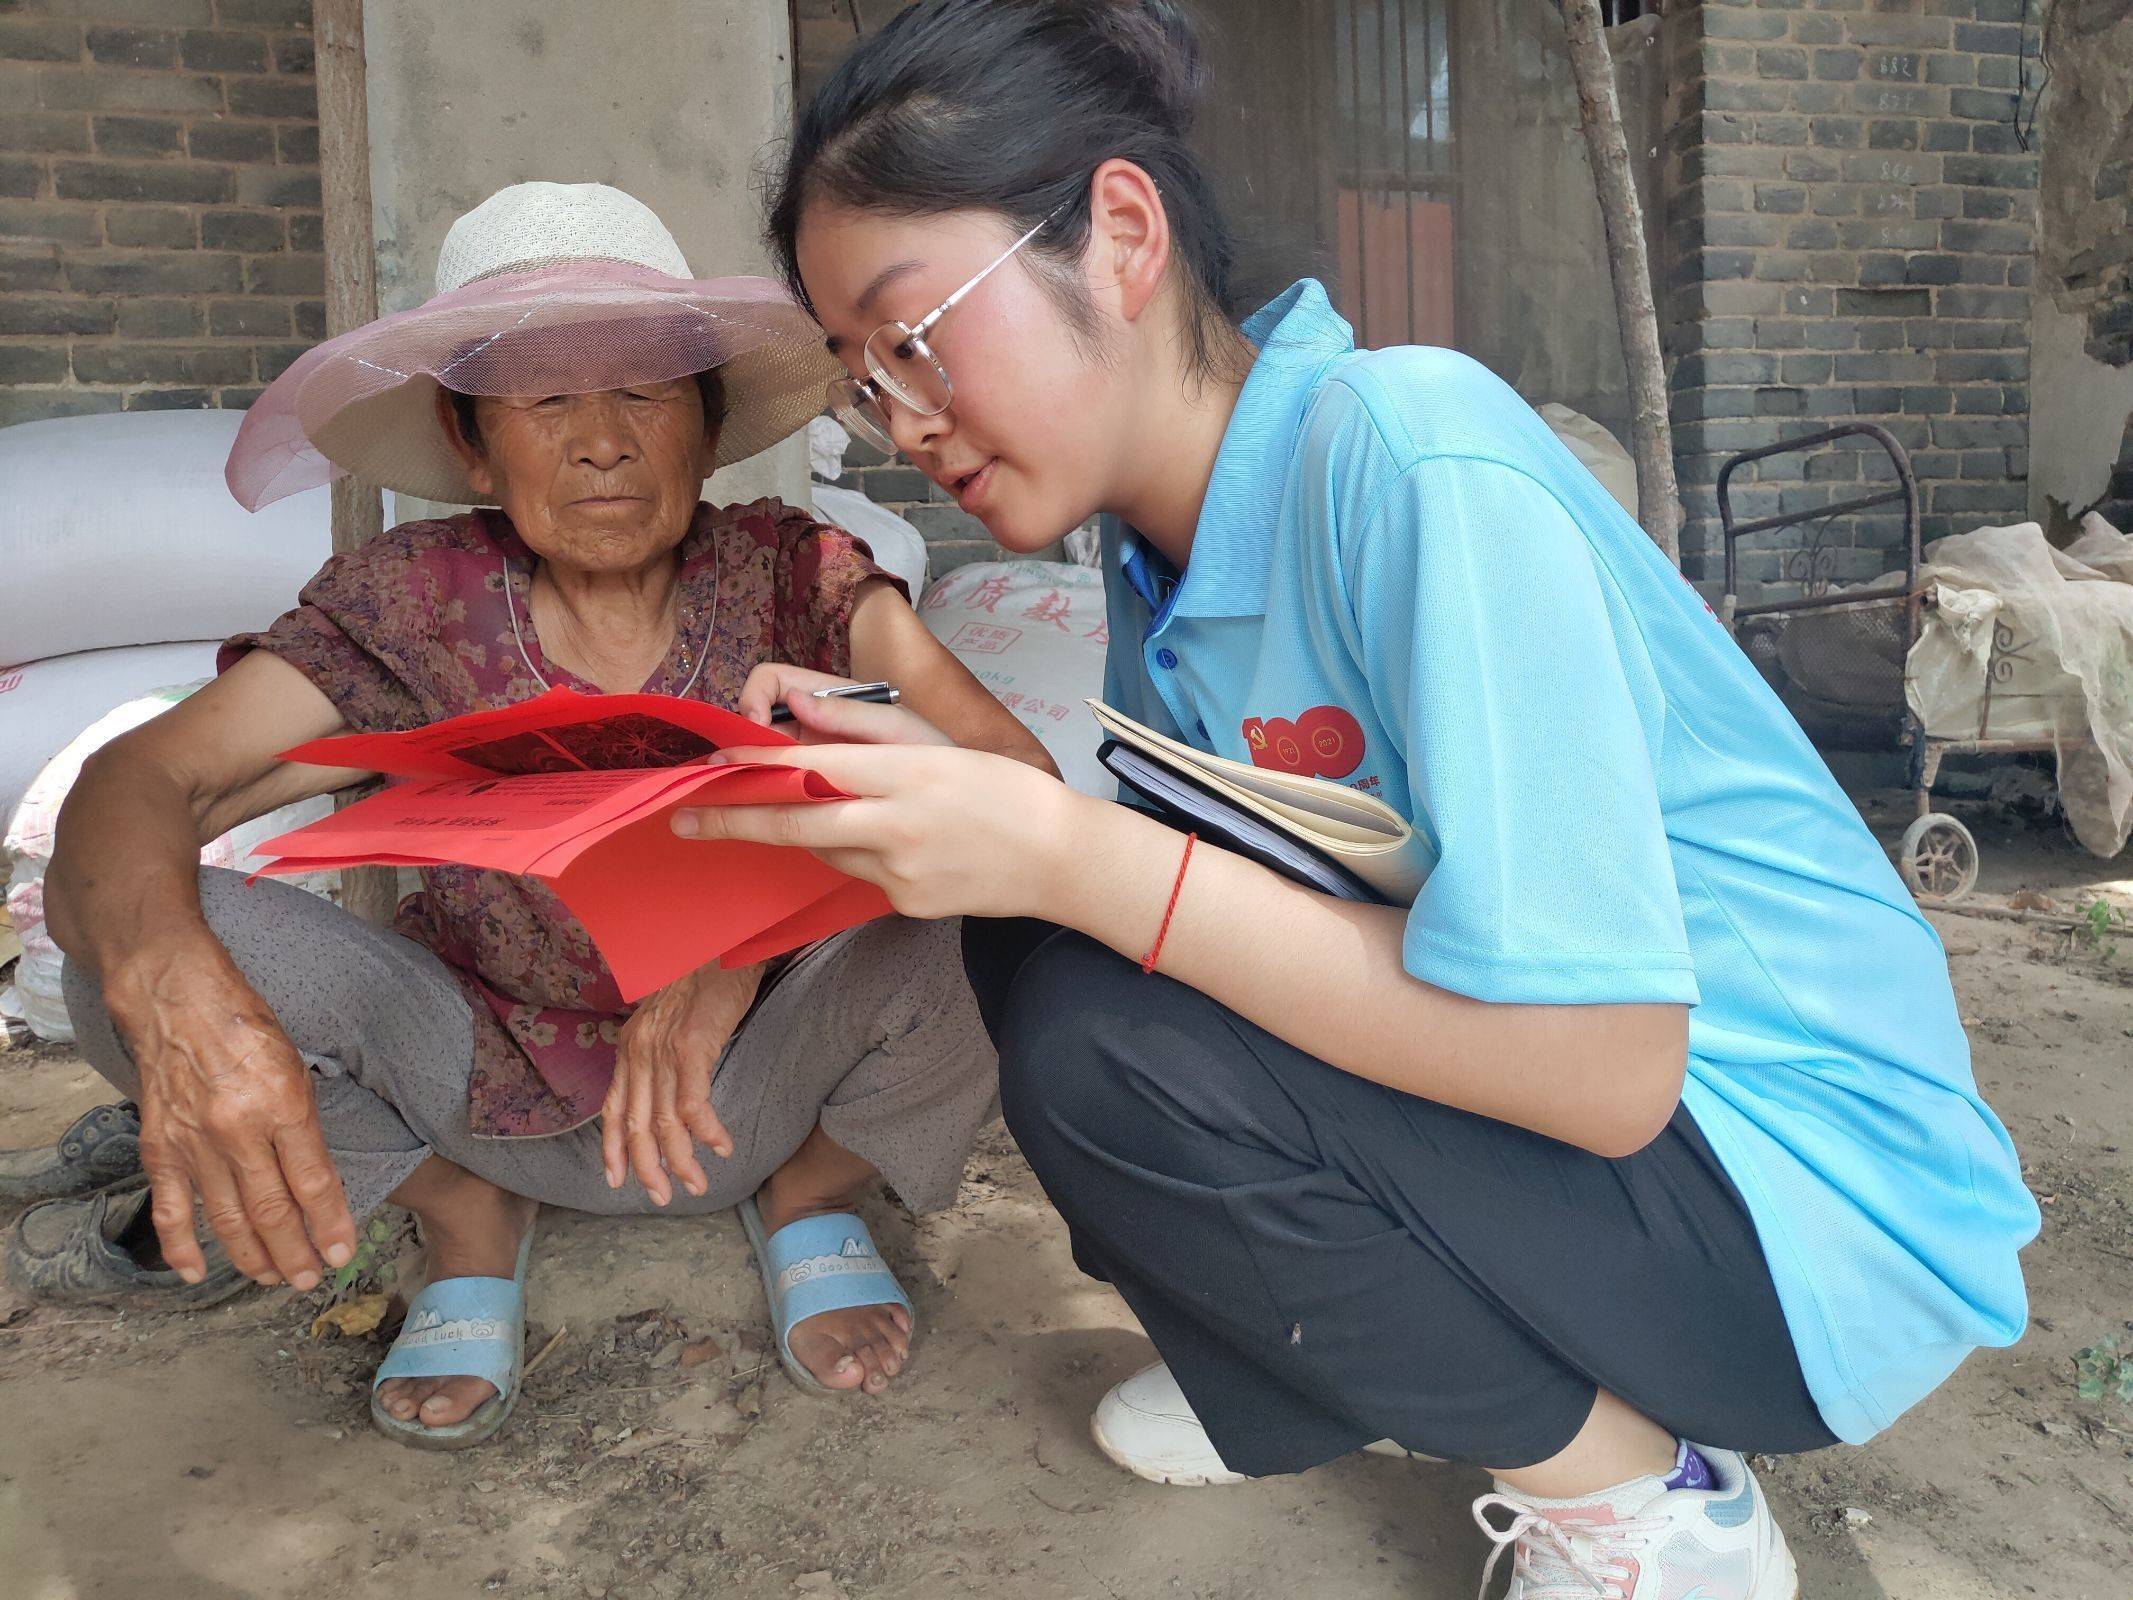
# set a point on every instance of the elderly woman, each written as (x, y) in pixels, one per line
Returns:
(296, 1067)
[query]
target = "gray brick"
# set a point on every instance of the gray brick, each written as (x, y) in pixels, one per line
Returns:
(1879, 268)
(1994, 138)
(92, 89)
(1893, 134)
(1837, 133)
(137, 136)
(297, 145)
(162, 13)
(893, 483)
(168, 272)
(285, 274)
(1786, 266)
(1804, 166)
(26, 404)
(249, 316)
(27, 39)
(1780, 333)
(1884, 302)
(45, 132)
(32, 363)
(1747, 367)
(1998, 72)
(151, 227)
(307, 231)
(2006, 238)
(1912, 32)
(293, 53)
(1781, 198)
(1945, 136)
(1785, 62)
(273, 97)
(1952, 69)
(1975, 366)
(48, 221)
(231, 141)
(266, 13)
(1891, 66)
(1965, 433)
(1936, 202)
(310, 319)
(948, 523)
(141, 317)
(1884, 366)
(134, 47)
(1978, 402)
(216, 50)
(1838, 66)
(1824, 201)
(254, 232)
(1903, 168)
(1779, 130)
(1723, 22)
(1801, 370)
(2002, 10)
(1809, 302)
(1989, 39)
(122, 180)
(1980, 105)
(1900, 99)
(1991, 172)
(162, 363)
(1811, 233)
(1704, 405)
(29, 269)
(21, 179)
(277, 186)
(170, 400)
(1887, 234)
(53, 314)
(237, 399)
(1807, 28)
(1932, 269)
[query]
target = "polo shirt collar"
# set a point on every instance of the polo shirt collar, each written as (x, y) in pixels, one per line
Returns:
(1298, 334)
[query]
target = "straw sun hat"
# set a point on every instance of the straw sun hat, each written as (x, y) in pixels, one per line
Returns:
(543, 288)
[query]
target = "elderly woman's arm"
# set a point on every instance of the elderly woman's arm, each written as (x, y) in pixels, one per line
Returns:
(226, 1103)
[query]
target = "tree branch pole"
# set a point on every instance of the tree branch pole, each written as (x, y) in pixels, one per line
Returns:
(351, 299)
(1592, 64)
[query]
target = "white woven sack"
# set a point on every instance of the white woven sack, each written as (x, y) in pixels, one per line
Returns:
(118, 530)
(1033, 632)
(44, 704)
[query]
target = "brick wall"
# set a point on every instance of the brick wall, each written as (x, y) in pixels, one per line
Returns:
(159, 224)
(1851, 228)
(953, 537)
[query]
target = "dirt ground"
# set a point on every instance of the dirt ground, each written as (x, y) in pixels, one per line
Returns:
(228, 1454)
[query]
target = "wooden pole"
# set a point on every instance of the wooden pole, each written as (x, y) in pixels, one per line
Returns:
(351, 299)
(1592, 64)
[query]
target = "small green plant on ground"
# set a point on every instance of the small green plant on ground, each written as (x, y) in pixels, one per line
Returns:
(2101, 1370)
(2101, 917)
(371, 1244)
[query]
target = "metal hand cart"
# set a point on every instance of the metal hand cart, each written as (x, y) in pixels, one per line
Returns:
(1836, 655)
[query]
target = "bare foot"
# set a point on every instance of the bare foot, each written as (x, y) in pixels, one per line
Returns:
(470, 1229)
(860, 1348)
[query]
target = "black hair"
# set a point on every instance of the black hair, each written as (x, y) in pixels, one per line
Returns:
(708, 384)
(1011, 106)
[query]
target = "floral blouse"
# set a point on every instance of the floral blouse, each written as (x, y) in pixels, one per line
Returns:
(415, 627)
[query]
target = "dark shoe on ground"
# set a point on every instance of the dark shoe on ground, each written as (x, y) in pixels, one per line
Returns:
(102, 1148)
(91, 1250)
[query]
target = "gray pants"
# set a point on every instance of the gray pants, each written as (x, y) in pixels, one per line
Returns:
(873, 1035)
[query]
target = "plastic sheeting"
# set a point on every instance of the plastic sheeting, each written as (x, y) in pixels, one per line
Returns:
(2026, 642)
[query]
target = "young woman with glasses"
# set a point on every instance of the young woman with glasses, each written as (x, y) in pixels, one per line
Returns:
(1651, 1121)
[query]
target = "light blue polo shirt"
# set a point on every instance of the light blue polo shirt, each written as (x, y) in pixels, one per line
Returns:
(1403, 581)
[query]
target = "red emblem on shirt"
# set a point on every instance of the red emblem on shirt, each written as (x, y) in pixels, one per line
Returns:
(1325, 742)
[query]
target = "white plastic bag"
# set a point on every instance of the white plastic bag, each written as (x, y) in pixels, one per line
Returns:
(35, 996)
(1033, 632)
(43, 704)
(118, 530)
(2027, 642)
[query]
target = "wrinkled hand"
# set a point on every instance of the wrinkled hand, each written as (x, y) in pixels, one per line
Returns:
(658, 1107)
(227, 1111)
(829, 721)
(942, 832)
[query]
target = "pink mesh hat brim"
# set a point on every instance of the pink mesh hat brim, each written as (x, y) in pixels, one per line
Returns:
(365, 403)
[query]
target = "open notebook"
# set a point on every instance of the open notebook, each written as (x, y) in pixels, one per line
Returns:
(1362, 838)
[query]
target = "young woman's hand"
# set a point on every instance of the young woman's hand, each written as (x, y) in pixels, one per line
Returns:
(658, 1107)
(775, 684)
(943, 832)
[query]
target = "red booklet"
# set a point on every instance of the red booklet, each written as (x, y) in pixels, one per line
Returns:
(576, 790)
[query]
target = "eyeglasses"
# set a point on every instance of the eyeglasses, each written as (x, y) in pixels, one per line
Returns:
(902, 367)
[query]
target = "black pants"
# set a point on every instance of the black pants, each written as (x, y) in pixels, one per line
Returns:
(1324, 1261)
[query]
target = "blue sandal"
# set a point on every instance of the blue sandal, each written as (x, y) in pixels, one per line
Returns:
(460, 1328)
(817, 1264)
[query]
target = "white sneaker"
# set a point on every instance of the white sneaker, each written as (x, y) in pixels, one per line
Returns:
(1644, 1541)
(1147, 1426)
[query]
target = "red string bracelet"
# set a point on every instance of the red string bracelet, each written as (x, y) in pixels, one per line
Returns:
(1155, 950)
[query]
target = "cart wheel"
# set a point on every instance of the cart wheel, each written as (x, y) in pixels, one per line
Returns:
(1938, 857)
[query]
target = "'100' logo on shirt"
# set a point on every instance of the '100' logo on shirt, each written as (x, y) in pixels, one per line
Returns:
(1325, 742)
